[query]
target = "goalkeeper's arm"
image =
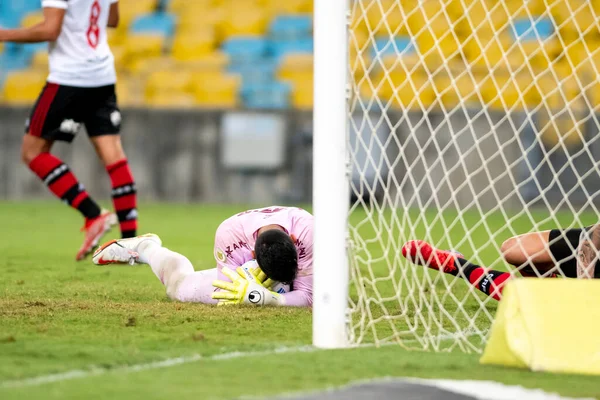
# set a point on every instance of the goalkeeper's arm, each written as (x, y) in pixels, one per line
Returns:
(301, 296)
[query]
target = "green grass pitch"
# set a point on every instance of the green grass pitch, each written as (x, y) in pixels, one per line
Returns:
(57, 316)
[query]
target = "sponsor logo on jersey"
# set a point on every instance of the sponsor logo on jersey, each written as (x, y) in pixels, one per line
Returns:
(70, 126)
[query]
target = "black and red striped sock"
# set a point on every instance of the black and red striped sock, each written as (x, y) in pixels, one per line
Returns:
(124, 197)
(61, 181)
(490, 282)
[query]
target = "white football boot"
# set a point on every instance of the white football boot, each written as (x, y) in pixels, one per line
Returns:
(122, 251)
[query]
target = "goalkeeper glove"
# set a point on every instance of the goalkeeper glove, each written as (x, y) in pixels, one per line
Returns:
(259, 275)
(245, 288)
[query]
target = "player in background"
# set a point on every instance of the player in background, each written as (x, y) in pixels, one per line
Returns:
(570, 252)
(277, 239)
(80, 90)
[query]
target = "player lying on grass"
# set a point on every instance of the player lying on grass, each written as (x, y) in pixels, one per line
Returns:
(278, 239)
(551, 253)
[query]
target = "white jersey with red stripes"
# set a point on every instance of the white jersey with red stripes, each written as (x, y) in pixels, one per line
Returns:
(81, 56)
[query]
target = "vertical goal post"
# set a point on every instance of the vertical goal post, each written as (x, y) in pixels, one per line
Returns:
(331, 193)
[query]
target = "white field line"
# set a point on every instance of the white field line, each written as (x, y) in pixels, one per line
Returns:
(94, 370)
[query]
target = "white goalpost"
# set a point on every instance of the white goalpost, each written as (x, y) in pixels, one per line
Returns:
(458, 122)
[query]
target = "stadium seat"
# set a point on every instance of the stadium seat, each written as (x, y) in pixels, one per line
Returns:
(32, 18)
(385, 18)
(23, 87)
(193, 46)
(255, 73)
(295, 65)
(156, 23)
(13, 11)
(245, 49)
(537, 44)
(278, 49)
(303, 94)
(129, 10)
(248, 21)
(291, 27)
(172, 100)
(401, 45)
(40, 60)
(576, 17)
(198, 19)
(277, 7)
(274, 95)
(219, 91)
(146, 46)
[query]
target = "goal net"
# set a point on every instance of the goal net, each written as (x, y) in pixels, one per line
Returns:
(469, 121)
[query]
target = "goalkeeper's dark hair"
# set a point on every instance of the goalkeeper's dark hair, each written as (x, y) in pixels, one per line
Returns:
(277, 256)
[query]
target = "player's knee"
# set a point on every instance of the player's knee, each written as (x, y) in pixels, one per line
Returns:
(28, 154)
(511, 251)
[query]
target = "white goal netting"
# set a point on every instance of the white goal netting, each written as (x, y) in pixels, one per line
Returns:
(471, 121)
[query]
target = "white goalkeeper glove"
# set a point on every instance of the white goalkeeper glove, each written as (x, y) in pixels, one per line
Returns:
(245, 288)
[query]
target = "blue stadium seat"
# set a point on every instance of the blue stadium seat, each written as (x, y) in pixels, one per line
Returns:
(160, 23)
(245, 49)
(528, 29)
(280, 48)
(13, 11)
(402, 45)
(32, 48)
(255, 73)
(274, 96)
(291, 27)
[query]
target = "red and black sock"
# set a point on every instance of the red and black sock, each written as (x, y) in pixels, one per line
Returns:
(61, 181)
(124, 197)
(490, 282)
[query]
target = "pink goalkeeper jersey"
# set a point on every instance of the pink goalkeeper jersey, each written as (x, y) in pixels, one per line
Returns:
(236, 236)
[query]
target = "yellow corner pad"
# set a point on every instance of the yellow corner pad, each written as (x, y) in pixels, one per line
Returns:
(548, 325)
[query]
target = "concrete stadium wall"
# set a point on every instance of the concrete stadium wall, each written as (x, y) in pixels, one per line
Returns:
(176, 156)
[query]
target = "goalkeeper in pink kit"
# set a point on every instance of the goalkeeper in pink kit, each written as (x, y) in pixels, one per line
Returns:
(264, 257)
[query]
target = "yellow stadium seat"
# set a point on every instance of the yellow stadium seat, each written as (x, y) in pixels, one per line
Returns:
(32, 19)
(215, 62)
(129, 92)
(506, 92)
(166, 82)
(115, 37)
(576, 17)
(303, 94)
(275, 7)
(431, 26)
(39, 61)
(387, 18)
(244, 22)
(199, 20)
(219, 91)
(129, 10)
(405, 91)
(143, 66)
(23, 87)
(145, 46)
(295, 65)
(172, 100)
(193, 46)
(184, 6)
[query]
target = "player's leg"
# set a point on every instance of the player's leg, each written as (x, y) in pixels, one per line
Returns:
(174, 270)
(546, 253)
(54, 118)
(490, 282)
(103, 124)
